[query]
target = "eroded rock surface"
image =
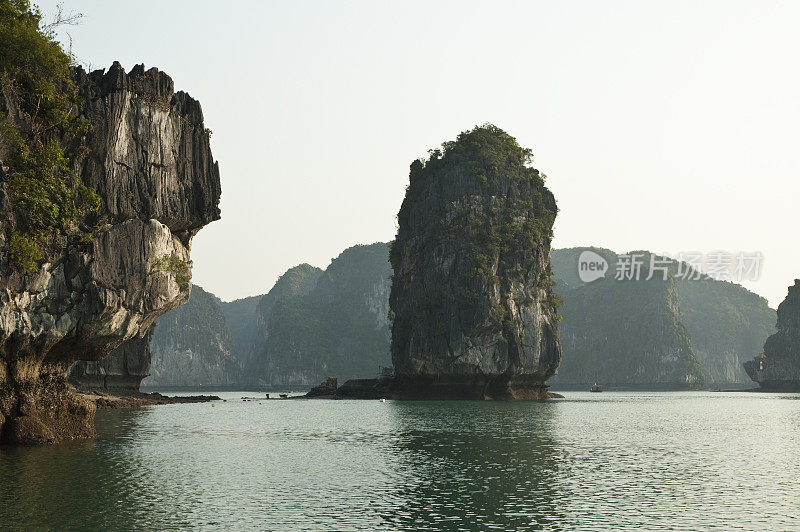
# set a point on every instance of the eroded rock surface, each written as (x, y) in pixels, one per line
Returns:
(779, 369)
(628, 334)
(150, 161)
(473, 308)
(121, 372)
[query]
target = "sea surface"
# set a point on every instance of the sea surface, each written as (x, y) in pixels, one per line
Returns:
(613, 460)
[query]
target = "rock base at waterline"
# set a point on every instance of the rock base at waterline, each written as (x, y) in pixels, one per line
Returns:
(472, 387)
(513, 388)
(45, 411)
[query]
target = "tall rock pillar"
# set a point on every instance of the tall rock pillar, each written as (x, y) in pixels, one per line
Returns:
(474, 314)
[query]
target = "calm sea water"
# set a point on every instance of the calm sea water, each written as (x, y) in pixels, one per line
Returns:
(593, 461)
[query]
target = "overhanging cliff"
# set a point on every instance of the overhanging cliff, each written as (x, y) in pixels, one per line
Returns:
(121, 372)
(146, 153)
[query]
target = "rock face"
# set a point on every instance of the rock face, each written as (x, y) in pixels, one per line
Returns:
(316, 324)
(192, 346)
(149, 160)
(310, 323)
(676, 334)
(779, 370)
(242, 318)
(672, 334)
(119, 373)
(473, 309)
(727, 324)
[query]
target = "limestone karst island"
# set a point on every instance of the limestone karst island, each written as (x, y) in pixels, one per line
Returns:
(409, 266)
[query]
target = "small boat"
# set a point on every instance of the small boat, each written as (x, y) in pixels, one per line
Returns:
(596, 388)
(284, 395)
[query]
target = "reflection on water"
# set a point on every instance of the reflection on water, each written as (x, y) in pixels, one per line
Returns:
(594, 461)
(482, 465)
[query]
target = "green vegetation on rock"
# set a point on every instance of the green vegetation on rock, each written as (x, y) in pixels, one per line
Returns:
(315, 323)
(24, 253)
(192, 345)
(181, 269)
(779, 370)
(38, 114)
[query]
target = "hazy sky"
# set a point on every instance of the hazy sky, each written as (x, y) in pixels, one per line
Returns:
(669, 126)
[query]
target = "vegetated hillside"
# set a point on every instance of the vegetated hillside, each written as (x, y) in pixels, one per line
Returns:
(626, 333)
(315, 324)
(292, 286)
(727, 324)
(241, 316)
(192, 346)
(565, 265)
(607, 336)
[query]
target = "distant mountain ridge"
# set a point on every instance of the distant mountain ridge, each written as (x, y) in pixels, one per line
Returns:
(193, 346)
(315, 323)
(706, 327)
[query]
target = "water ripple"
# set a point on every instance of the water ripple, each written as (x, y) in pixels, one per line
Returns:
(591, 462)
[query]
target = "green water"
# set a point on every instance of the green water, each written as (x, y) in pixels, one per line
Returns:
(592, 461)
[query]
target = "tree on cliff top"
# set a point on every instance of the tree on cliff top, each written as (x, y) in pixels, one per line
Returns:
(486, 149)
(35, 64)
(488, 155)
(38, 111)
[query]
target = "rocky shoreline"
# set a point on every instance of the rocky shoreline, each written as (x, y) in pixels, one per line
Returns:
(106, 401)
(29, 430)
